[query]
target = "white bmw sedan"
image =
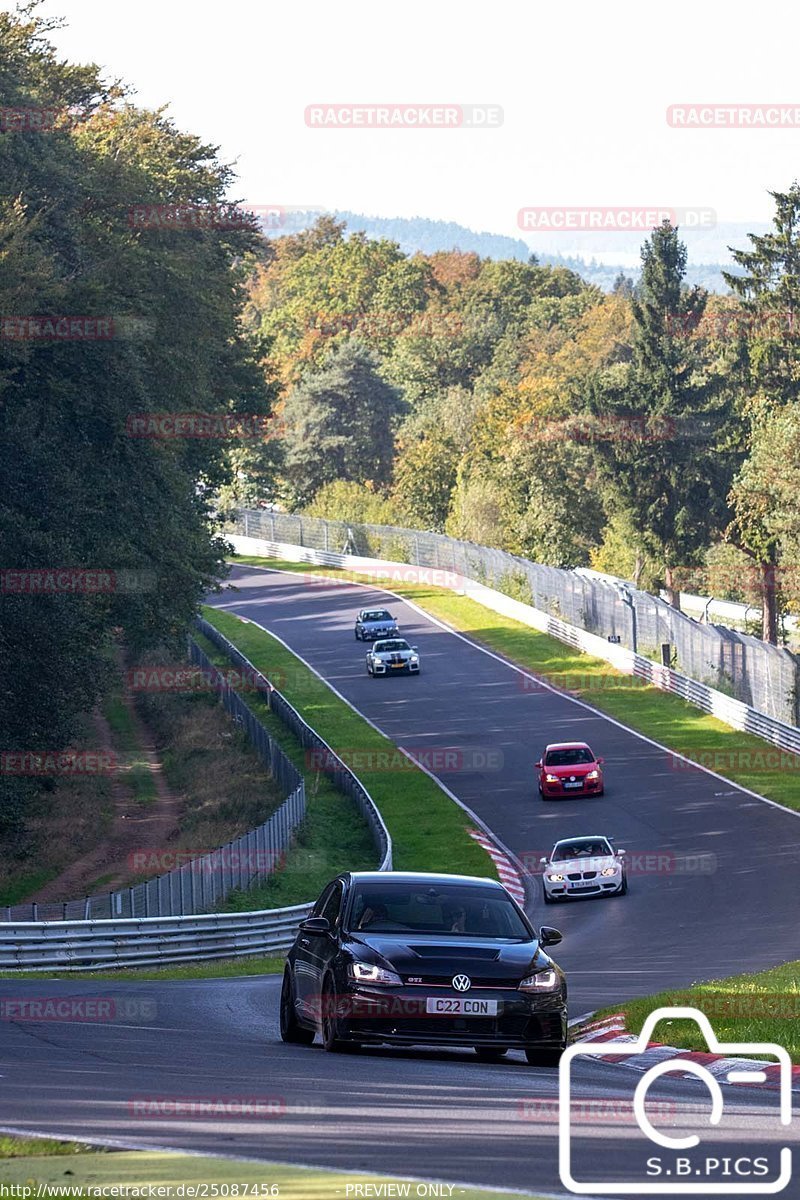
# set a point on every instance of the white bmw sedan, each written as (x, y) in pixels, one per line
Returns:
(583, 866)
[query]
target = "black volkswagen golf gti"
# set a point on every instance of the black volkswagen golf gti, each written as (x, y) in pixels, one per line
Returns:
(404, 959)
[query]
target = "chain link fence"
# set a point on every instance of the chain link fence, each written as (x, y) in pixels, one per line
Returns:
(766, 678)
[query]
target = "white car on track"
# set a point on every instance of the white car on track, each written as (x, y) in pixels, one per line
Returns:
(583, 866)
(392, 656)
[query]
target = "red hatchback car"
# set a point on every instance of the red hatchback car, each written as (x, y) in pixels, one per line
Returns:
(569, 769)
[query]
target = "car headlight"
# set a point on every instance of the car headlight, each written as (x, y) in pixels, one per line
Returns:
(593, 775)
(551, 779)
(556, 878)
(609, 870)
(414, 658)
(361, 972)
(541, 981)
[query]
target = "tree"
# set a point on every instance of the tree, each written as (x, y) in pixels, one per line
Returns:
(76, 490)
(769, 347)
(339, 424)
(658, 434)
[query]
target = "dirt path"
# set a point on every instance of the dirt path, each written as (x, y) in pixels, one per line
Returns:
(134, 826)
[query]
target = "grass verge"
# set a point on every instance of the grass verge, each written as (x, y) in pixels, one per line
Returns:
(334, 836)
(138, 1169)
(764, 1007)
(429, 831)
(740, 757)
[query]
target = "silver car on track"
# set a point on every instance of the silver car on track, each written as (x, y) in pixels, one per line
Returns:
(392, 656)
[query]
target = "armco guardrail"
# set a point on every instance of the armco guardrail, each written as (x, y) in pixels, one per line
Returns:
(762, 676)
(330, 763)
(155, 941)
(381, 572)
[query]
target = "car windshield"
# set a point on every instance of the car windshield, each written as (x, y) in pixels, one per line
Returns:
(581, 848)
(472, 912)
(568, 757)
(378, 614)
(391, 646)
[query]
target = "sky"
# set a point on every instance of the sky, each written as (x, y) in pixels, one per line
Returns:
(584, 90)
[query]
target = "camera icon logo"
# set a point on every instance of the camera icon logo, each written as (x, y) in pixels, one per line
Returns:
(687, 1175)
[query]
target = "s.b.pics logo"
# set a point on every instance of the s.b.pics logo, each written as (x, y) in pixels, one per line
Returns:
(703, 1147)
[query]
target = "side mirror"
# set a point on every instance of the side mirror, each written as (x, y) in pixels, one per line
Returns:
(600, 760)
(415, 649)
(549, 936)
(538, 764)
(542, 860)
(621, 852)
(317, 926)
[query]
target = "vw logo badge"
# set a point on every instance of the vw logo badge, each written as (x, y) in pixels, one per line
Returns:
(462, 983)
(572, 778)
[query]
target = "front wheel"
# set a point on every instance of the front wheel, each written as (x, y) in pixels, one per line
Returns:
(623, 886)
(548, 899)
(358, 636)
(544, 1056)
(330, 1025)
(291, 1030)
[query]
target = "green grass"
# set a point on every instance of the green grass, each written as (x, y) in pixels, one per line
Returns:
(429, 831)
(118, 715)
(334, 836)
(140, 1168)
(764, 1007)
(137, 774)
(224, 968)
(740, 757)
(13, 1147)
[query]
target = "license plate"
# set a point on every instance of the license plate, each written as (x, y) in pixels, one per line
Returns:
(578, 783)
(444, 1006)
(398, 666)
(582, 887)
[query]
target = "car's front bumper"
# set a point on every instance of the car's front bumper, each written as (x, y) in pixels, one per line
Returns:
(373, 635)
(589, 787)
(399, 1018)
(585, 888)
(380, 668)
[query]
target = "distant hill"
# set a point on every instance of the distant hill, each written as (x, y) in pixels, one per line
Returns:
(598, 258)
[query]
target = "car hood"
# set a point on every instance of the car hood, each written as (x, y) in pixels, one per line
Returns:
(571, 865)
(442, 956)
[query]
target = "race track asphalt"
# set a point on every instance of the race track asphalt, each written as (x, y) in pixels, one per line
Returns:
(442, 1115)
